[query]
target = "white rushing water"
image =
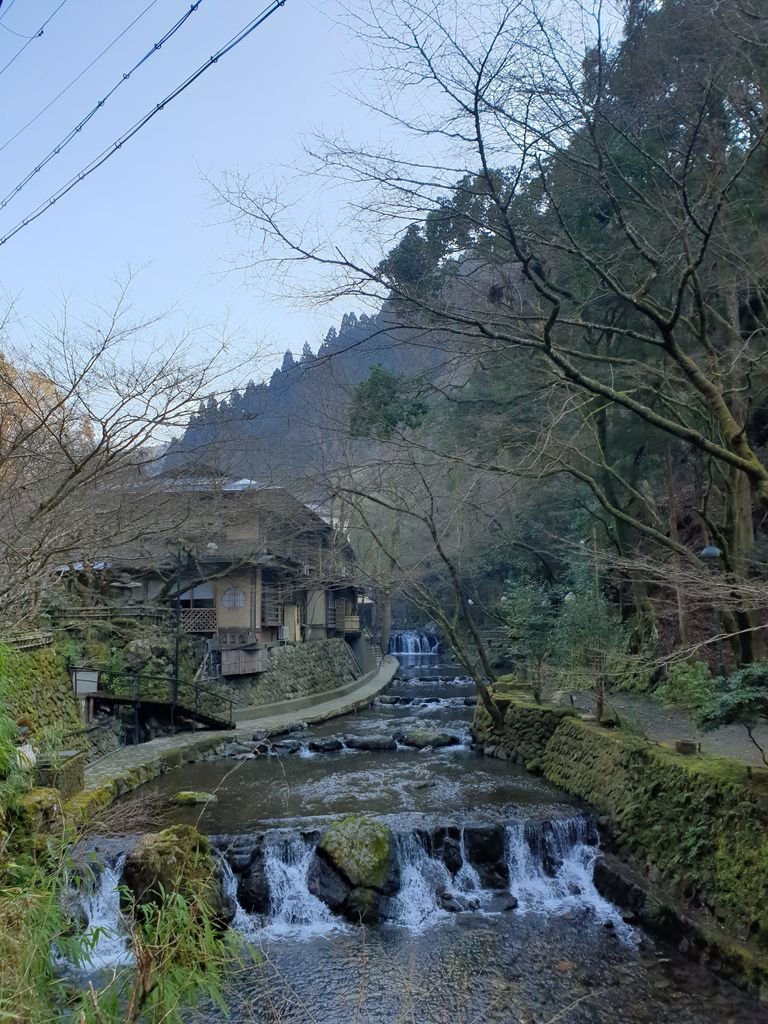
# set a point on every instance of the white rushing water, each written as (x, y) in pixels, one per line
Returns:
(421, 877)
(409, 642)
(105, 941)
(292, 907)
(550, 867)
(551, 870)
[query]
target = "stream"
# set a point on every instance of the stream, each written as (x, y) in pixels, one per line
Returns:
(495, 918)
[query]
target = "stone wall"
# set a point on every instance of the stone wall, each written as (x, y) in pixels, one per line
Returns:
(299, 670)
(528, 728)
(37, 686)
(698, 826)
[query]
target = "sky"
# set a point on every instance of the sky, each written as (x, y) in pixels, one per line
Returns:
(149, 208)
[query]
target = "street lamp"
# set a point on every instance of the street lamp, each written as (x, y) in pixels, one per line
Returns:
(710, 556)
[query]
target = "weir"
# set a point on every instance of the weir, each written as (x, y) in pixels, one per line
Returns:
(410, 642)
(546, 868)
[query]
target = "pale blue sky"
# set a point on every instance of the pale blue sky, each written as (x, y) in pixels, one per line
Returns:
(149, 205)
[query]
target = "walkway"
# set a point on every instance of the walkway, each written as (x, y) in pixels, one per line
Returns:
(128, 767)
(662, 724)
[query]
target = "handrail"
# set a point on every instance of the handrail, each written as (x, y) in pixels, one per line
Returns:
(223, 704)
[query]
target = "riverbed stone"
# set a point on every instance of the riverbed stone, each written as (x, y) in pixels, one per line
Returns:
(360, 851)
(253, 887)
(375, 742)
(421, 738)
(190, 797)
(177, 860)
(325, 882)
(325, 746)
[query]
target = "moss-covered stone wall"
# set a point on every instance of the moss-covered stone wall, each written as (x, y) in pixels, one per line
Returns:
(36, 685)
(697, 826)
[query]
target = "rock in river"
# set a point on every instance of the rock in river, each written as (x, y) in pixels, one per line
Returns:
(189, 797)
(354, 867)
(421, 738)
(177, 860)
(370, 742)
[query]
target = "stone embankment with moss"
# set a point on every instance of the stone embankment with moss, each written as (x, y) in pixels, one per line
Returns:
(694, 827)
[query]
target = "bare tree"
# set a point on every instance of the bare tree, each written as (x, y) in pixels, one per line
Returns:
(87, 408)
(566, 204)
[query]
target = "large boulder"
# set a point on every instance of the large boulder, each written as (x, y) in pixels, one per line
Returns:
(177, 860)
(354, 867)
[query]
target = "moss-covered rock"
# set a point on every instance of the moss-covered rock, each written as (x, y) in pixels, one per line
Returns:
(360, 853)
(190, 797)
(39, 810)
(177, 860)
(360, 849)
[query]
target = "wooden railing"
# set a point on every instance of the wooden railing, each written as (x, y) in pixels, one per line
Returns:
(28, 641)
(198, 620)
(109, 611)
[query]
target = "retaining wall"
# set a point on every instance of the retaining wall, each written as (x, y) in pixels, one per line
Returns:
(303, 670)
(696, 826)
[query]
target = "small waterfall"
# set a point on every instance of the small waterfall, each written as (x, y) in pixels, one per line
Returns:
(245, 924)
(409, 643)
(466, 878)
(105, 939)
(551, 867)
(291, 905)
(421, 878)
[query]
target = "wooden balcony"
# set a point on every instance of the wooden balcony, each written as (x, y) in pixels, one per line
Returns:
(198, 620)
(351, 623)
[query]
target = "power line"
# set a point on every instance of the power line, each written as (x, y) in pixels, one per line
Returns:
(8, 6)
(106, 154)
(99, 105)
(77, 77)
(32, 38)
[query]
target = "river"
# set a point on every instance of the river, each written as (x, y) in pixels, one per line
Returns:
(449, 947)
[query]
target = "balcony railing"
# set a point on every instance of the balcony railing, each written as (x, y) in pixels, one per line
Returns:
(198, 620)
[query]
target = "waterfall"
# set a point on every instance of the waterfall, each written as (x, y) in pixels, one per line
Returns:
(410, 643)
(245, 924)
(421, 878)
(551, 867)
(466, 878)
(105, 940)
(292, 906)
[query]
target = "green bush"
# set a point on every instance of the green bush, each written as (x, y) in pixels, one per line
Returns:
(689, 687)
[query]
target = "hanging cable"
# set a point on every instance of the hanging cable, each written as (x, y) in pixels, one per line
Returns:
(110, 151)
(32, 38)
(77, 77)
(99, 105)
(7, 8)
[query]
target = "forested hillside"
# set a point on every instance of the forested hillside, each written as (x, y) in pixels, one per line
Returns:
(293, 428)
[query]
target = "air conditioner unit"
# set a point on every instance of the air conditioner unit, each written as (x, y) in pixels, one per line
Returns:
(282, 633)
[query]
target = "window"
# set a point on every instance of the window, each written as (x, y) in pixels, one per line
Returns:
(233, 597)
